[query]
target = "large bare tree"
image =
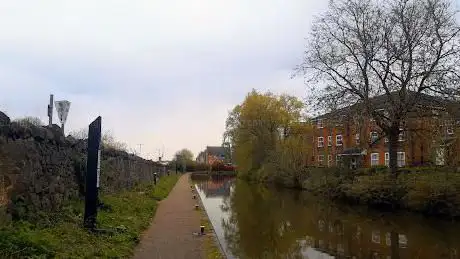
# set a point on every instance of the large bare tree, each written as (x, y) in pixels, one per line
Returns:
(401, 50)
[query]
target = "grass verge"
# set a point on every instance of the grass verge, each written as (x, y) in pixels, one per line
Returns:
(64, 237)
(211, 248)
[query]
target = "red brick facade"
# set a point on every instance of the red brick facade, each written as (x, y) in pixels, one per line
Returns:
(333, 142)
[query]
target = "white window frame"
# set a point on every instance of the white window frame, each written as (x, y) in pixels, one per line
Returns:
(320, 141)
(329, 141)
(450, 131)
(337, 142)
(403, 160)
(357, 138)
(319, 124)
(329, 160)
(337, 159)
(320, 161)
(376, 158)
(376, 133)
(401, 136)
(387, 159)
(387, 140)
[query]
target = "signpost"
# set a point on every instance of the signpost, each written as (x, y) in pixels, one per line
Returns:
(93, 174)
(50, 110)
(62, 108)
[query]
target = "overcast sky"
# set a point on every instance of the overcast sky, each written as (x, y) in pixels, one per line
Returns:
(160, 73)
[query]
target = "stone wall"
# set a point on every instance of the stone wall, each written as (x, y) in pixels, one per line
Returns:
(41, 170)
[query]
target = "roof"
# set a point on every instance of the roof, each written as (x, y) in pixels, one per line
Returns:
(382, 101)
(217, 151)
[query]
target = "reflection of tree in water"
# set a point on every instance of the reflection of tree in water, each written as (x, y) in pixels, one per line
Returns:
(266, 223)
(258, 226)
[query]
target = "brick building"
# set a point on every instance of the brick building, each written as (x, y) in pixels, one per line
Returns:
(347, 137)
(211, 155)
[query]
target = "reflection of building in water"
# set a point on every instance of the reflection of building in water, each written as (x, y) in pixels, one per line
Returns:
(343, 240)
(219, 187)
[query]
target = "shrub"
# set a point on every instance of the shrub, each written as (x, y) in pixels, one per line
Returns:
(381, 190)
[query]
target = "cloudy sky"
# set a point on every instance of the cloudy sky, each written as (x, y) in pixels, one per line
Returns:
(160, 73)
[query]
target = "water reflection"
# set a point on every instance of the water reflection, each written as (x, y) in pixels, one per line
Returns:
(256, 222)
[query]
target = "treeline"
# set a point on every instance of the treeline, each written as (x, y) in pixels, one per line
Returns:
(270, 138)
(184, 158)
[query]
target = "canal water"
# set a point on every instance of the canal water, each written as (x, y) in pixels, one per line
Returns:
(253, 221)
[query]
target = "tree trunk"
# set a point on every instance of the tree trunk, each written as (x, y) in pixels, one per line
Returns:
(393, 135)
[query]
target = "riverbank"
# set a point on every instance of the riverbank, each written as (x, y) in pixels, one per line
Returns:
(430, 191)
(62, 236)
(211, 244)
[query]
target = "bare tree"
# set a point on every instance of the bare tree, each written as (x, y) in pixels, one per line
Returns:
(80, 133)
(29, 121)
(401, 50)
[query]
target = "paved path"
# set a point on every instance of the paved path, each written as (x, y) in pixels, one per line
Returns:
(170, 236)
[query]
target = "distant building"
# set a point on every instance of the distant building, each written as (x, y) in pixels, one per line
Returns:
(211, 154)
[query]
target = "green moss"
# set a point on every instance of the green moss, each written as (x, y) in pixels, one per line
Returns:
(131, 212)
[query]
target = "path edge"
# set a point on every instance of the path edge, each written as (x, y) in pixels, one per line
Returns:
(205, 214)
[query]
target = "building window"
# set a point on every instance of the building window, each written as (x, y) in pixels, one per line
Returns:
(329, 141)
(450, 131)
(401, 135)
(320, 123)
(338, 140)
(329, 160)
(374, 136)
(320, 142)
(374, 159)
(320, 159)
(357, 138)
(401, 159)
(387, 159)
(386, 140)
(337, 160)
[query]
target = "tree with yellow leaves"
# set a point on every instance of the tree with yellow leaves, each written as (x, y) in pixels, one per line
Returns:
(268, 137)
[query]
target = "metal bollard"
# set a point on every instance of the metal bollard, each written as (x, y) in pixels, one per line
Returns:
(197, 207)
(155, 178)
(202, 230)
(194, 196)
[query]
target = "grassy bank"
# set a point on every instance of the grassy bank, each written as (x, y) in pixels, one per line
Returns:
(62, 235)
(432, 192)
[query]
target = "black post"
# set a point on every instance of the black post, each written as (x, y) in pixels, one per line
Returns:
(155, 178)
(92, 174)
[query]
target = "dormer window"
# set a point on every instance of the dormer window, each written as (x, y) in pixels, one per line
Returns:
(374, 136)
(401, 135)
(320, 123)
